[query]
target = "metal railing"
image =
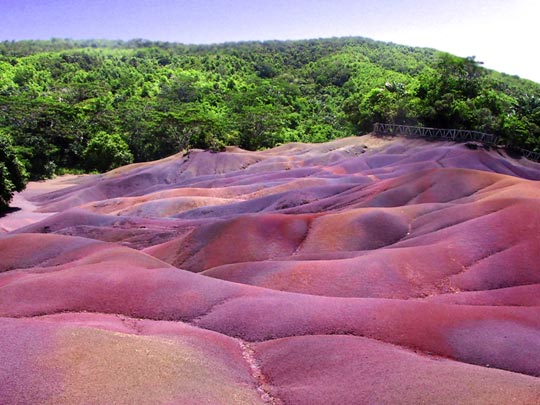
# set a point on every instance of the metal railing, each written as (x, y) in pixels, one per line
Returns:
(453, 135)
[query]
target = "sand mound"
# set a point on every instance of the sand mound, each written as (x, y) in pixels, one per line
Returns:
(363, 270)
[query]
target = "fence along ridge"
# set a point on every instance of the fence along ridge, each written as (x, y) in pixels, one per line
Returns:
(455, 135)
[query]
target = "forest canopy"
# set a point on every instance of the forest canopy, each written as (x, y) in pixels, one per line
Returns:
(96, 104)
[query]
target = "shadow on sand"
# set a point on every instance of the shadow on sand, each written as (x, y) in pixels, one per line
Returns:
(10, 210)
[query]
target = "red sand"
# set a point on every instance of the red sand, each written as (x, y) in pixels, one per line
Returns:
(363, 270)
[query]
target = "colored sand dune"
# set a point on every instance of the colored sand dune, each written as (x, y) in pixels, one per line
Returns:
(363, 270)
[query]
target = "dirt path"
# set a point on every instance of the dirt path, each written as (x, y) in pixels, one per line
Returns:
(23, 211)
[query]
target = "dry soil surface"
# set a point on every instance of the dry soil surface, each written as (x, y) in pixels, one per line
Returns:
(359, 271)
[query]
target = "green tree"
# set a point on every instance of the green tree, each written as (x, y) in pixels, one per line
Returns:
(163, 97)
(447, 89)
(106, 151)
(12, 174)
(522, 125)
(48, 132)
(391, 103)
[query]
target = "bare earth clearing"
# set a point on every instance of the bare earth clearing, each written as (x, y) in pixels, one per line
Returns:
(363, 270)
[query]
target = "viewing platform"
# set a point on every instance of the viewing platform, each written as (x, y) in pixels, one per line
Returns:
(453, 135)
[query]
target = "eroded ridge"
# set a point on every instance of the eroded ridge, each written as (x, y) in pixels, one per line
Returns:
(256, 371)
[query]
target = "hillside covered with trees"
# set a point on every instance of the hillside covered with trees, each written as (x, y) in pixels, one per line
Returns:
(94, 105)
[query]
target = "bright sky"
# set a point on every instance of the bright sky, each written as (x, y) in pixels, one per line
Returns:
(501, 33)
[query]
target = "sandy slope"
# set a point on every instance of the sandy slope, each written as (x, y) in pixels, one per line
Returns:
(363, 270)
(24, 212)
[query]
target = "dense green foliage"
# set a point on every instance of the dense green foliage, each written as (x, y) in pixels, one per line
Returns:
(12, 174)
(106, 151)
(94, 105)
